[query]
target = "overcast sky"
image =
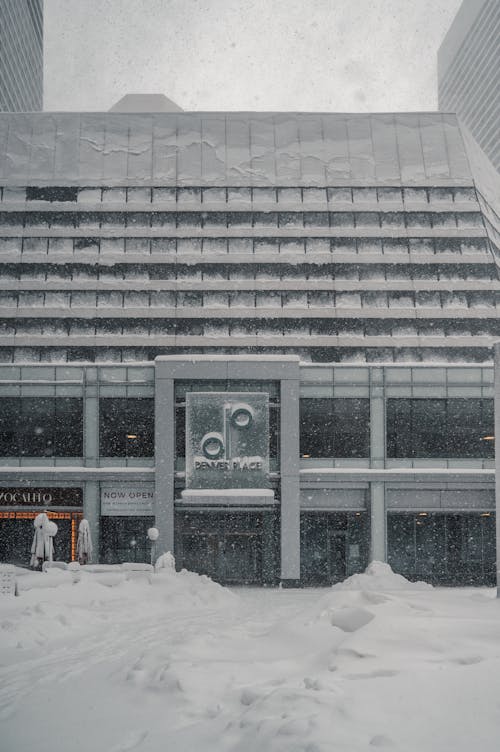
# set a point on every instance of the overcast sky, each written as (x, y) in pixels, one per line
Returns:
(323, 55)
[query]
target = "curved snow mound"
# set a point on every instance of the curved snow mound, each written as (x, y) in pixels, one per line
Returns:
(189, 589)
(380, 576)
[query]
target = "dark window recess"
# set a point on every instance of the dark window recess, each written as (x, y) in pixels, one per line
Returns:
(126, 427)
(52, 193)
(125, 539)
(458, 427)
(334, 427)
(444, 549)
(41, 426)
(180, 431)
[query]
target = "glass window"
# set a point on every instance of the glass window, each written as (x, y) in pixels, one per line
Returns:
(125, 539)
(291, 219)
(341, 219)
(316, 219)
(52, 193)
(126, 427)
(41, 426)
(444, 549)
(459, 427)
(334, 427)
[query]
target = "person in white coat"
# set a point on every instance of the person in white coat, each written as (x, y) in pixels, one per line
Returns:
(84, 543)
(42, 546)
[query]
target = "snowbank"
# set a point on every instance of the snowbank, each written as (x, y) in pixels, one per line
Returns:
(51, 607)
(380, 577)
(185, 664)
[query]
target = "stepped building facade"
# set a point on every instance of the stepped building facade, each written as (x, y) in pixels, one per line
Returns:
(268, 334)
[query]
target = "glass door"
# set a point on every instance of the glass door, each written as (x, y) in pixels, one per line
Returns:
(337, 556)
(241, 558)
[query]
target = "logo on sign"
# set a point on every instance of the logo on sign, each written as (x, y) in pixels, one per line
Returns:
(227, 440)
(216, 447)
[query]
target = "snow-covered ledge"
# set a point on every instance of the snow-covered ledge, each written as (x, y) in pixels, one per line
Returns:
(229, 496)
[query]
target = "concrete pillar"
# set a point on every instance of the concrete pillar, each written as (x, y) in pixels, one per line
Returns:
(164, 463)
(91, 426)
(290, 488)
(91, 493)
(377, 522)
(497, 459)
(377, 419)
(92, 513)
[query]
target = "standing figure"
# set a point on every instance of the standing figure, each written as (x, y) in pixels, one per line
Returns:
(84, 543)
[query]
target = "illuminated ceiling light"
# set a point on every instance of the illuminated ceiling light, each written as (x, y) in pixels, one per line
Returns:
(306, 456)
(358, 514)
(423, 514)
(131, 436)
(485, 514)
(487, 438)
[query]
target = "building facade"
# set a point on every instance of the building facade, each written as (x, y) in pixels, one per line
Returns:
(271, 335)
(469, 73)
(21, 55)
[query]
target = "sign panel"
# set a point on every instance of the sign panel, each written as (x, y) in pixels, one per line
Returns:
(227, 440)
(127, 502)
(41, 497)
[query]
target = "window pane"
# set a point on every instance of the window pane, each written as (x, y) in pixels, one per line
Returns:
(68, 434)
(10, 420)
(334, 427)
(351, 430)
(440, 428)
(41, 427)
(126, 427)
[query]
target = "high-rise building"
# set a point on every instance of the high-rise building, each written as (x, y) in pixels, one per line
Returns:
(269, 334)
(21, 55)
(469, 72)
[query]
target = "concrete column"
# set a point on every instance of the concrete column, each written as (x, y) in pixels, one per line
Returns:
(497, 459)
(164, 462)
(290, 487)
(91, 426)
(377, 522)
(377, 419)
(92, 513)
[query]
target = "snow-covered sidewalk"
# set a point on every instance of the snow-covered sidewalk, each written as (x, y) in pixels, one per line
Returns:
(185, 665)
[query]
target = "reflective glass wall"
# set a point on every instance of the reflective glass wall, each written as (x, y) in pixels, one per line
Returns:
(458, 427)
(443, 548)
(333, 545)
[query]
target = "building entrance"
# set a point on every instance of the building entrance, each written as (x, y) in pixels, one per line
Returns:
(230, 547)
(337, 555)
(230, 558)
(333, 546)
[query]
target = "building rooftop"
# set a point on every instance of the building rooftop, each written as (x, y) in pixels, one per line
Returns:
(232, 148)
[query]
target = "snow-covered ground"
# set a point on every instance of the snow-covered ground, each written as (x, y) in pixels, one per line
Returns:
(184, 665)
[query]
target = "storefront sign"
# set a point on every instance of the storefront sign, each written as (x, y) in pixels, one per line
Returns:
(127, 502)
(227, 440)
(41, 497)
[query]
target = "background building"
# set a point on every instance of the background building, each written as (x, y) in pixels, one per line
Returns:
(342, 268)
(469, 72)
(21, 55)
